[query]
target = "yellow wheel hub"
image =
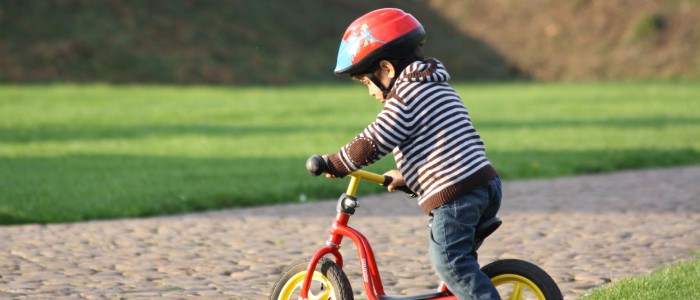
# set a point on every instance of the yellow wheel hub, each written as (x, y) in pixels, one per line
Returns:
(324, 292)
(520, 284)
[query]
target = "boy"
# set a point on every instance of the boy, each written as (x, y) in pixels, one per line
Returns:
(439, 154)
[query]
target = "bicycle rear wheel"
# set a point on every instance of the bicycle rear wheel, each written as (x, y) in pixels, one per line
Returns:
(518, 279)
(329, 282)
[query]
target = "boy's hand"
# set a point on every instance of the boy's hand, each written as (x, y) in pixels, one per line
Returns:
(398, 180)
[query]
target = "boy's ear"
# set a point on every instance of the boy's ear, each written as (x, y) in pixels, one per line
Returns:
(387, 68)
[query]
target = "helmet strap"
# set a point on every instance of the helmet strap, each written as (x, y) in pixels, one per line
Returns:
(380, 85)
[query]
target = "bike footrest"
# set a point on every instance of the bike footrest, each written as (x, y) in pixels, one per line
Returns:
(415, 297)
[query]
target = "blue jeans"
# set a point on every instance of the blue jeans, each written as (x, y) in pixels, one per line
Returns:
(452, 249)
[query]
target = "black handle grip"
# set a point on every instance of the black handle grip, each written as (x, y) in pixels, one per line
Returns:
(316, 165)
(406, 190)
(388, 180)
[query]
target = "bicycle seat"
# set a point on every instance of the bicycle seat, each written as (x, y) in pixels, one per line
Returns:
(486, 228)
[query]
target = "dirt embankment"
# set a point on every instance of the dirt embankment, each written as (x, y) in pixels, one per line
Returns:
(280, 42)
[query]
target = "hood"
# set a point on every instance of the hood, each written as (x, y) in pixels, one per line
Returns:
(429, 70)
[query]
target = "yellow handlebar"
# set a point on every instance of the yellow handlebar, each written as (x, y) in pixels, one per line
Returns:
(369, 176)
(360, 174)
(317, 165)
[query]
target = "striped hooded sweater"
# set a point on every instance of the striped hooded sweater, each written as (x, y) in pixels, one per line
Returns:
(427, 127)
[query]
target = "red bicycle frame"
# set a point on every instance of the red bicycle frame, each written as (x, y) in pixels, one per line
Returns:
(339, 229)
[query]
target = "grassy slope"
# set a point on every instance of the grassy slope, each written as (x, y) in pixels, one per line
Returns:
(275, 41)
(70, 152)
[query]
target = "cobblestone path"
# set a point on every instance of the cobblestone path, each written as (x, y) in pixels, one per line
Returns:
(585, 231)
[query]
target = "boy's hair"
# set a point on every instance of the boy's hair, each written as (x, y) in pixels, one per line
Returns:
(399, 63)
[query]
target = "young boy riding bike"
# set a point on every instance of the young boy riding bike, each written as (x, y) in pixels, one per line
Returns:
(438, 152)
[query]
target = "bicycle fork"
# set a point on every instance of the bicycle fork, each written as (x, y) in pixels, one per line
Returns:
(339, 229)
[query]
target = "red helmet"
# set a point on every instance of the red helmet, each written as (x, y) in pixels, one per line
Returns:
(383, 33)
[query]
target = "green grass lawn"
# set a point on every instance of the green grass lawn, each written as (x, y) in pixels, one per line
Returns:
(677, 281)
(78, 152)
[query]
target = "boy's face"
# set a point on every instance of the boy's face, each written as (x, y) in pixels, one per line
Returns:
(385, 73)
(374, 91)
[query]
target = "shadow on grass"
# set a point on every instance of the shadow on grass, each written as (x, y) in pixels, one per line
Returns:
(141, 131)
(85, 187)
(607, 123)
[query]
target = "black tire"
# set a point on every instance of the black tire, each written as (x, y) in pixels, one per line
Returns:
(513, 275)
(330, 276)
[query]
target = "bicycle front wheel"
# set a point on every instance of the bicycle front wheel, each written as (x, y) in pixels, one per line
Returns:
(517, 279)
(329, 282)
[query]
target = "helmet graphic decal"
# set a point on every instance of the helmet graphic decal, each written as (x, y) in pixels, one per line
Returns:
(350, 47)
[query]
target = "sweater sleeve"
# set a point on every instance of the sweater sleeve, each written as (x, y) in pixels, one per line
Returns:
(379, 138)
